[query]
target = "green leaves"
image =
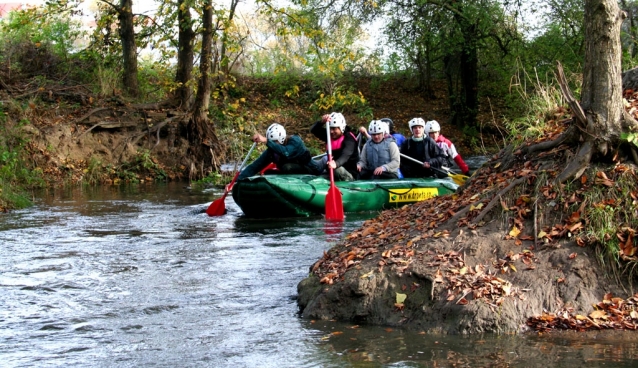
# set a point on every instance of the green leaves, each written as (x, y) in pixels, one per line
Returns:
(631, 137)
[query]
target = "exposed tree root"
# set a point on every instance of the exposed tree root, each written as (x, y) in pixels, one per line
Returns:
(548, 145)
(88, 114)
(497, 198)
(578, 164)
(579, 114)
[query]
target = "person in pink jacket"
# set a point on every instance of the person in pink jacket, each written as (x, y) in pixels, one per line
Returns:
(433, 129)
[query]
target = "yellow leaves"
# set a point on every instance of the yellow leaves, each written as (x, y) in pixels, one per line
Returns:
(400, 299)
(514, 232)
(444, 233)
(598, 314)
(477, 207)
(367, 275)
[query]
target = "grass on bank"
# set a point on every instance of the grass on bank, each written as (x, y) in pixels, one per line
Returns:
(609, 191)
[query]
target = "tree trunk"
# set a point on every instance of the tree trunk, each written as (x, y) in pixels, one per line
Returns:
(201, 133)
(469, 79)
(602, 78)
(601, 99)
(184, 73)
(129, 48)
(223, 58)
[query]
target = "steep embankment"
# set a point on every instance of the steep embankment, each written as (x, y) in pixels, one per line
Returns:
(508, 253)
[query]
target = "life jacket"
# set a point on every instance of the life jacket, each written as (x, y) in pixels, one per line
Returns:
(337, 144)
(378, 154)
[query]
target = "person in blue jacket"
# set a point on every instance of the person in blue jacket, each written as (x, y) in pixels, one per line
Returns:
(289, 153)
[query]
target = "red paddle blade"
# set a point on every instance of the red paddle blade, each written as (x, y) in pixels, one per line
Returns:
(218, 207)
(334, 204)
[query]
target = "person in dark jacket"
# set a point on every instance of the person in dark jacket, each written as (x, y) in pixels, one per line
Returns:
(345, 151)
(287, 152)
(421, 148)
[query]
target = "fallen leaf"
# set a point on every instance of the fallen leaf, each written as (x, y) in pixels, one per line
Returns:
(401, 298)
(573, 255)
(598, 314)
(367, 275)
(514, 232)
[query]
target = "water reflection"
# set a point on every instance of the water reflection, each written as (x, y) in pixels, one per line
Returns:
(392, 347)
(140, 275)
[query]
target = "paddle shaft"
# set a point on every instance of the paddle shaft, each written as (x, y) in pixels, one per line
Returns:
(334, 203)
(332, 179)
(218, 207)
(230, 186)
(419, 162)
(318, 156)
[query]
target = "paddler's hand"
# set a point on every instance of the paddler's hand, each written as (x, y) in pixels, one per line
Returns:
(426, 165)
(332, 164)
(325, 118)
(379, 170)
(258, 138)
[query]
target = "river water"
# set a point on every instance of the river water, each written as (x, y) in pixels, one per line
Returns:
(138, 275)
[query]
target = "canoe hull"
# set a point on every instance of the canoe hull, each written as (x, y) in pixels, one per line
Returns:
(305, 195)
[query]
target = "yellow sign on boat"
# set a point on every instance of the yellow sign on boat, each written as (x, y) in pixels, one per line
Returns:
(412, 195)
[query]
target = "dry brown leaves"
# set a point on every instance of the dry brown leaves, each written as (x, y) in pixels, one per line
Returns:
(611, 313)
(464, 283)
(396, 234)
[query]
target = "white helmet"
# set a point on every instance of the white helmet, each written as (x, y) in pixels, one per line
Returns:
(377, 126)
(276, 132)
(432, 126)
(416, 121)
(336, 120)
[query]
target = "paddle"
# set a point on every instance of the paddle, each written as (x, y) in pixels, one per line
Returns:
(334, 203)
(458, 178)
(318, 156)
(218, 207)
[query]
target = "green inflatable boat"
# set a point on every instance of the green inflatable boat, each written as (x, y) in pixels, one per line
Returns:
(305, 195)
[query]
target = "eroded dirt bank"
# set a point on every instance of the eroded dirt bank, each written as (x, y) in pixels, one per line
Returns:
(508, 248)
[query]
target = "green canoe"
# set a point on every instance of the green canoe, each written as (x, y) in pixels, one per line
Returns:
(305, 195)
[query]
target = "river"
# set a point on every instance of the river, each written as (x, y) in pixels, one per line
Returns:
(138, 275)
